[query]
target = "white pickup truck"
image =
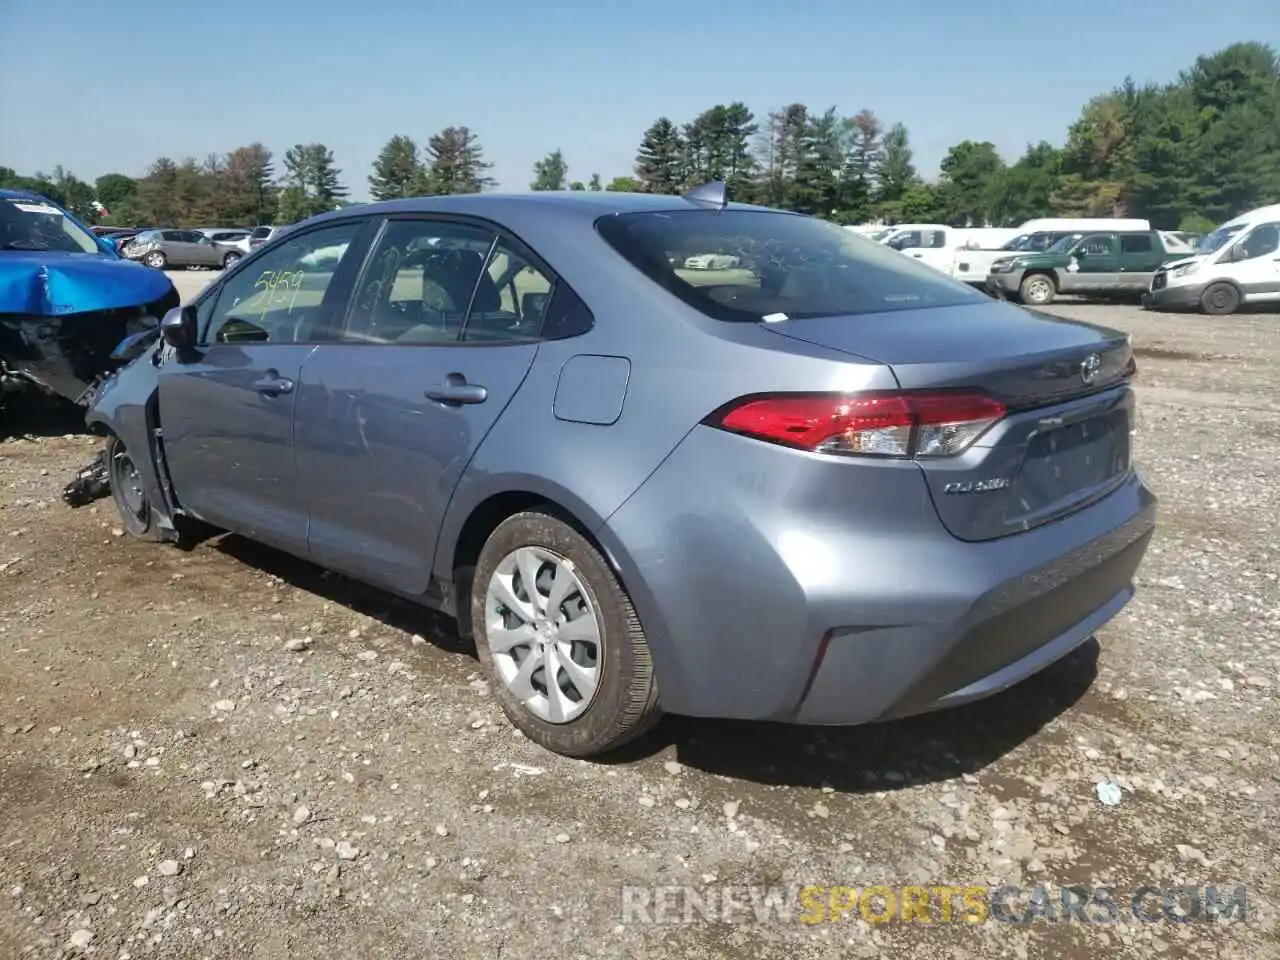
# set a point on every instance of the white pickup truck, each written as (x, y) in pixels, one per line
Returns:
(937, 244)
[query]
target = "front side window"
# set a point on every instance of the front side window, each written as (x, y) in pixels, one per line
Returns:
(31, 224)
(1262, 241)
(1219, 238)
(785, 266)
(280, 297)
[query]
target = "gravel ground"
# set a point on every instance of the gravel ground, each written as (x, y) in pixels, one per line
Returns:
(227, 753)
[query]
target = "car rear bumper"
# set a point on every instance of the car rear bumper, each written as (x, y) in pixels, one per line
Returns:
(779, 586)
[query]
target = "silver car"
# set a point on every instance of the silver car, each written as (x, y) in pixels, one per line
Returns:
(179, 248)
(829, 485)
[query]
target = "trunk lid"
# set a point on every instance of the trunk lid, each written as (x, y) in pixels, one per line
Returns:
(1065, 441)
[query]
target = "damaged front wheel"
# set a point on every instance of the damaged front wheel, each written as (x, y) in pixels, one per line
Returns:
(129, 492)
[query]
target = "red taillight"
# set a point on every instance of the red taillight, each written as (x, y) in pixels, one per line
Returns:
(883, 424)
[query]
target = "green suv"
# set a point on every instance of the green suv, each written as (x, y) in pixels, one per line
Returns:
(1107, 264)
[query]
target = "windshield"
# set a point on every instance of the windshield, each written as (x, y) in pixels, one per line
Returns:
(1219, 238)
(29, 224)
(753, 265)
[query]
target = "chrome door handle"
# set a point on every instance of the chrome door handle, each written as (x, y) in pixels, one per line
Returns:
(455, 391)
(273, 386)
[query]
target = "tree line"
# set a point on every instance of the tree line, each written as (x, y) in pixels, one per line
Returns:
(1185, 154)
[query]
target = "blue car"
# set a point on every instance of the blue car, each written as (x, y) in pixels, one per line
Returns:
(654, 453)
(67, 300)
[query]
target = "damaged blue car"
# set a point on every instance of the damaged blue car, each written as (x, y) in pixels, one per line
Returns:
(67, 301)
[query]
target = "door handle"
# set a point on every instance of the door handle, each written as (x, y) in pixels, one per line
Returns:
(455, 391)
(273, 385)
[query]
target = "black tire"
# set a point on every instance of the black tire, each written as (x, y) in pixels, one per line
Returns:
(130, 498)
(156, 260)
(229, 260)
(625, 703)
(1220, 299)
(1037, 289)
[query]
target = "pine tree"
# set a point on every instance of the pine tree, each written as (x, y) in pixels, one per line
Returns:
(455, 163)
(396, 171)
(660, 162)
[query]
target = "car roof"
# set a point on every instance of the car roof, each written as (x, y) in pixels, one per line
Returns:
(22, 195)
(583, 204)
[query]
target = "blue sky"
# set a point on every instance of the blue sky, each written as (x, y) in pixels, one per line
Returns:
(109, 87)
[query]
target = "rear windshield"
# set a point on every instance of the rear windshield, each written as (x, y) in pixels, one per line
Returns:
(753, 265)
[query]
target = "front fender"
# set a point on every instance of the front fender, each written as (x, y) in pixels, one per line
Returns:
(127, 405)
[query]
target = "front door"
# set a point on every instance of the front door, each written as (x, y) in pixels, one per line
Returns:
(442, 331)
(1258, 269)
(227, 408)
(1094, 266)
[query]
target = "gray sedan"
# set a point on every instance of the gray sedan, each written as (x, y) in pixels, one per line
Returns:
(180, 248)
(808, 480)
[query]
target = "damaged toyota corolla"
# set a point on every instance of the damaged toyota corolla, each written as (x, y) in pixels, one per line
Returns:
(825, 484)
(67, 300)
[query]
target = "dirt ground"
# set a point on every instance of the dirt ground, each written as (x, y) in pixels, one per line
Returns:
(228, 753)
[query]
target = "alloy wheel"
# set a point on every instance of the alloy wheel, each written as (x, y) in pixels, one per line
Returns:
(1038, 290)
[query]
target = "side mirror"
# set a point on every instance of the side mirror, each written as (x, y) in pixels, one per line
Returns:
(1079, 253)
(134, 345)
(179, 328)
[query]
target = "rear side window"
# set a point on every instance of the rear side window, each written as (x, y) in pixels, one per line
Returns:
(751, 265)
(1135, 243)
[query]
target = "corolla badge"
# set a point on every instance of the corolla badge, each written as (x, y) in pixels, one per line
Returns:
(976, 486)
(1090, 368)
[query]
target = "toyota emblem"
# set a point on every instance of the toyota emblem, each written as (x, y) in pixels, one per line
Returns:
(1090, 368)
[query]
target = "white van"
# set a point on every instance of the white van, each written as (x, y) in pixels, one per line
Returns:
(1236, 264)
(972, 266)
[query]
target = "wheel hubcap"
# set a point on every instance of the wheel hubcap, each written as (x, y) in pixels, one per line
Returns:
(1039, 290)
(543, 633)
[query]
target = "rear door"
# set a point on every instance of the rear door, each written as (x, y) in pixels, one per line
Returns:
(441, 334)
(937, 248)
(1095, 266)
(227, 407)
(1140, 255)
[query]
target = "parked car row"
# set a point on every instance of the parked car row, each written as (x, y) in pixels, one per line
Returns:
(162, 247)
(1106, 259)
